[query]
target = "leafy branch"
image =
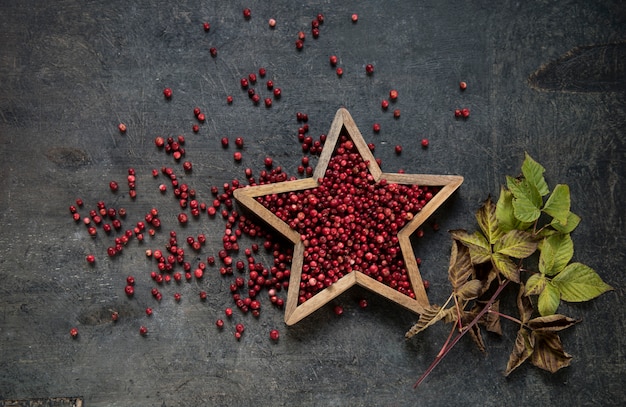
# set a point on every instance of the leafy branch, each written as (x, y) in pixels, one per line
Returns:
(526, 218)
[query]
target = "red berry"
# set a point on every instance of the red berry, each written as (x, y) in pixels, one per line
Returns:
(240, 328)
(74, 333)
(363, 303)
(229, 99)
(376, 127)
(115, 316)
(201, 117)
(195, 128)
(167, 92)
(244, 82)
(143, 331)
(268, 161)
(213, 51)
(224, 141)
(277, 93)
(274, 334)
(247, 13)
(206, 26)
(182, 218)
(262, 72)
(369, 69)
(398, 149)
(338, 310)
(339, 71)
(426, 284)
(177, 297)
(299, 44)
(114, 186)
(333, 60)
(237, 156)
(396, 113)
(148, 311)
(122, 127)
(384, 104)
(219, 323)
(268, 102)
(91, 258)
(424, 142)
(355, 18)
(393, 94)
(465, 112)
(129, 290)
(203, 295)
(272, 23)
(130, 280)
(463, 85)
(187, 166)
(198, 273)
(239, 142)
(228, 312)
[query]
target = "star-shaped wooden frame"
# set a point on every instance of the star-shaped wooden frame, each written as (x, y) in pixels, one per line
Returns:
(294, 312)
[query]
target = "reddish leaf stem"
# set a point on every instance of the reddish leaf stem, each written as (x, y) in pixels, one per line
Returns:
(448, 346)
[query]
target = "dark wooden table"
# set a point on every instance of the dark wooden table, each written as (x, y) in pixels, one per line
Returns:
(546, 78)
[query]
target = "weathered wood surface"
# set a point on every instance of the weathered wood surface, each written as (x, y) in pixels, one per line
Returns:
(72, 70)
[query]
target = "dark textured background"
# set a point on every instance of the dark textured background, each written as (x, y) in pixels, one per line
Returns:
(544, 77)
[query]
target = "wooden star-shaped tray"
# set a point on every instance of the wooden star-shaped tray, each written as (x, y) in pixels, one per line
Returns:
(342, 124)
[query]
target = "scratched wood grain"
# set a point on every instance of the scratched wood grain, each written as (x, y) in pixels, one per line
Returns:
(72, 70)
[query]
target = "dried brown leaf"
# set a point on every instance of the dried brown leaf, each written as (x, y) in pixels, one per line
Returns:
(491, 320)
(523, 349)
(430, 316)
(460, 265)
(552, 323)
(470, 290)
(524, 305)
(548, 352)
(474, 332)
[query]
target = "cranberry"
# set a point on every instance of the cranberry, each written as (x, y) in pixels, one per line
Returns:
(424, 142)
(274, 334)
(182, 218)
(268, 162)
(240, 328)
(333, 60)
(268, 102)
(224, 142)
(320, 18)
(203, 295)
(167, 92)
(376, 127)
(244, 83)
(201, 117)
(465, 112)
(338, 310)
(115, 316)
(315, 32)
(213, 51)
(143, 331)
(177, 297)
(91, 258)
(228, 312)
(272, 23)
(206, 26)
(252, 77)
(122, 127)
(219, 323)
(148, 311)
(74, 333)
(339, 71)
(277, 93)
(229, 99)
(463, 85)
(114, 186)
(237, 156)
(355, 18)
(384, 104)
(369, 69)
(426, 284)
(396, 113)
(247, 13)
(457, 113)
(129, 290)
(130, 280)
(299, 44)
(393, 94)
(363, 303)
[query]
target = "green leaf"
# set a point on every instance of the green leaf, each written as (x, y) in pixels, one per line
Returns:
(535, 284)
(480, 249)
(578, 282)
(556, 252)
(517, 244)
(504, 213)
(506, 267)
(572, 222)
(533, 172)
(488, 222)
(522, 188)
(558, 204)
(549, 300)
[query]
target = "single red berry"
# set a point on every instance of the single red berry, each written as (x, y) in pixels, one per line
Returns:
(148, 311)
(315, 32)
(274, 334)
(195, 128)
(203, 295)
(272, 23)
(213, 51)
(398, 149)
(268, 102)
(219, 323)
(228, 312)
(277, 93)
(237, 335)
(159, 141)
(376, 127)
(268, 162)
(339, 71)
(396, 113)
(229, 99)
(355, 18)
(91, 258)
(426, 284)
(122, 127)
(262, 72)
(74, 333)
(320, 18)
(457, 113)
(129, 290)
(224, 141)
(369, 69)
(239, 142)
(424, 142)
(465, 112)
(237, 156)
(143, 331)
(198, 273)
(269, 84)
(206, 26)
(114, 186)
(333, 60)
(463, 85)
(115, 316)
(363, 303)
(384, 104)
(252, 78)
(182, 218)
(247, 13)
(299, 44)
(130, 280)
(393, 94)
(167, 92)
(240, 328)
(244, 82)
(177, 297)
(338, 309)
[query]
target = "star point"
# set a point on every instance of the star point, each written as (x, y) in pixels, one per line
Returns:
(414, 299)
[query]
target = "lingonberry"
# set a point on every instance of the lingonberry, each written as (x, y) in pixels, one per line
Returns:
(159, 141)
(203, 295)
(463, 85)
(129, 290)
(320, 18)
(393, 94)
(252, 77)
(148, 311)
(244, 83)
(167, 92)
(198, 273)
(277, 93)
(299, 44)
(269, 84)
(376, 127)
(465, 112)
(272, 23)
(177, 297)
(355, 18)
(228, 312)
(247, 13)
(74, 333)
(114, 186)
(255, 99)
(338, 310)
(274, 334)
(268, 162)
(182, 218)
(384, 104)
(201, 117)
(130, 280)
(219, 323)
(333, 60)
(369, 69)
(224, 141)
(240, 328)
(268, 102)
(91, 258)
(457, 113)
(315, 32)
(237, 335)
(115, 316)
(187, 166)
(206, 26)
(339, 71)
(239, 142)
(122, 127)
(363, 303)
(213, 51)
(229, 99)
(143, 331)
(424, 142)
(396, 113)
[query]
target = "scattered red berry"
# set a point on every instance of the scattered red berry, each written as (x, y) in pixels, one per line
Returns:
(398, 149)
(143, 331)
(122, 127)
(426, 284)
(363, 303)
(338, 310)
(129, 290)
(463, 85)
(272, 23)
(339, 71)
(274, 334)
(237, 156)
(247, 13)
(465, 112)
(115, 316)
(177, 297)
(219, 323)
(424, 142)
(148, 311)
(384, 104)
(74, 333)
(333, 60)
(393, 94)
(355, 18)
(91, 258)
(376, 127)
(396, 113)
(167, 92)
(369, 69)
